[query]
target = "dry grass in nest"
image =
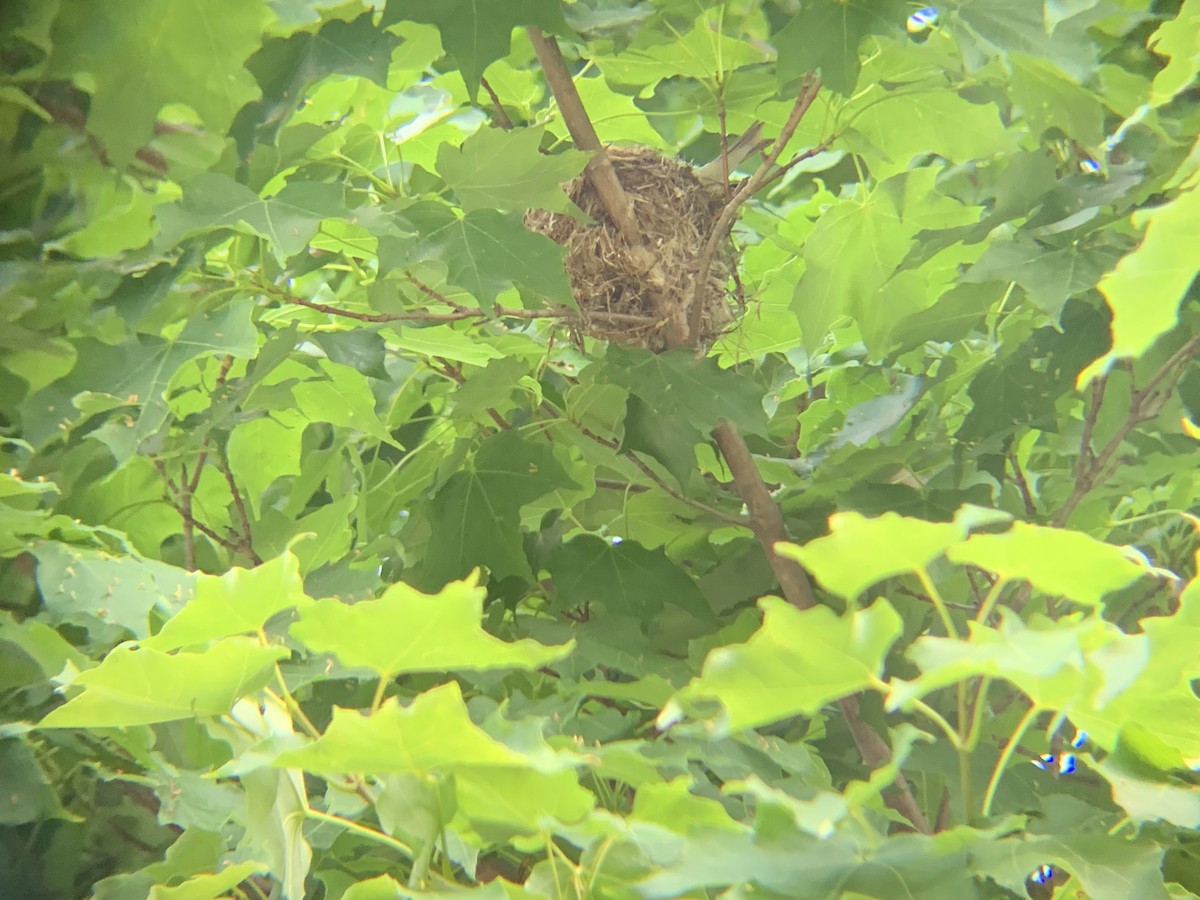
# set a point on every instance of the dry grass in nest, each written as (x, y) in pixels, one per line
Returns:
(676, 214)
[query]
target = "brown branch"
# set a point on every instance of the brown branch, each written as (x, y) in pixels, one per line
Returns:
(603, 176)
(766, 521)
(1023, 486)
(461, 313)
(1144, 404)
(247, 539)
(185, 510)
(808, 93)
(875, 753)
(75, 117)
(502, 118)
(188, 520)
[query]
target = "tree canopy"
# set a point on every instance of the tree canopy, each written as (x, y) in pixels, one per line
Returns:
(347, 551)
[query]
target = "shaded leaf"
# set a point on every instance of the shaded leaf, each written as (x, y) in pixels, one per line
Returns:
(487, 252)
(503, 170)
(677, 384)
(474, 518)
(824, 37)
(288, 219)
(477, 32)
(163, 51)
(625, 578)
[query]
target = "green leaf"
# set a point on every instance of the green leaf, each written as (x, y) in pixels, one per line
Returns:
(503, 170)
(161, 52)
(28, 795)
(1049, 99)
(286, 67)
(407, 631)
(478, 32)
(623, 578)
(1055, 561)
(1176, 39)
(262, 450)
(432, 734)
(474, 517)
(343, 397)
(1145, 289)
(1050, 277)
(669, 439)
(793, 665)
(860, 552)
(487, 252)
(824, 37)
(1107, 867)
(238, 602)
(143, 686)
(1021, 27)
(1153, 801)
(700, 52)
(120, 590)
(677, 384)
(854, 248)
(360, 349)
(902, 126)
(138, 372)
(288, 220)
(1047, 661)
(208, 887)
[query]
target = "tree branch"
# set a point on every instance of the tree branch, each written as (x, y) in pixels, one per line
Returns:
(604, 179)
(808, 93)
(766, 521)
(875, 753)
(1144, 404)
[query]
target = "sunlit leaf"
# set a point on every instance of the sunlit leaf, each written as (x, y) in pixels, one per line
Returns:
(795, 664)
(142, 686)
(408, 631)
(238, 602)
(1055, 561)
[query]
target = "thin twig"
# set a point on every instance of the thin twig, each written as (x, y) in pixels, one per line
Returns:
(185, 510)
(454, 373)
(804, 100)
(1023, 486)
(1144, 404)
(875, 753)
(460, 313)
(247, 545)
(683, 498)
(502, 118)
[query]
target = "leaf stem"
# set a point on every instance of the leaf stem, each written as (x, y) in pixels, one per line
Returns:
(369, 833)
(1005, 755)
(939, 603)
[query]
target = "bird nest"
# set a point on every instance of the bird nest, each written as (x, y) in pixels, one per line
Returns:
(676, 214)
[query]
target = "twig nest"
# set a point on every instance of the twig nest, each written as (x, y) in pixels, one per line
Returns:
(676, 214)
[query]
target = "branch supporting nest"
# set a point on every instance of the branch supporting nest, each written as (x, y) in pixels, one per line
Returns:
(603, 177)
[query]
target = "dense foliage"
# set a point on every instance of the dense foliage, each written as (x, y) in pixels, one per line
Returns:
(337, 561)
